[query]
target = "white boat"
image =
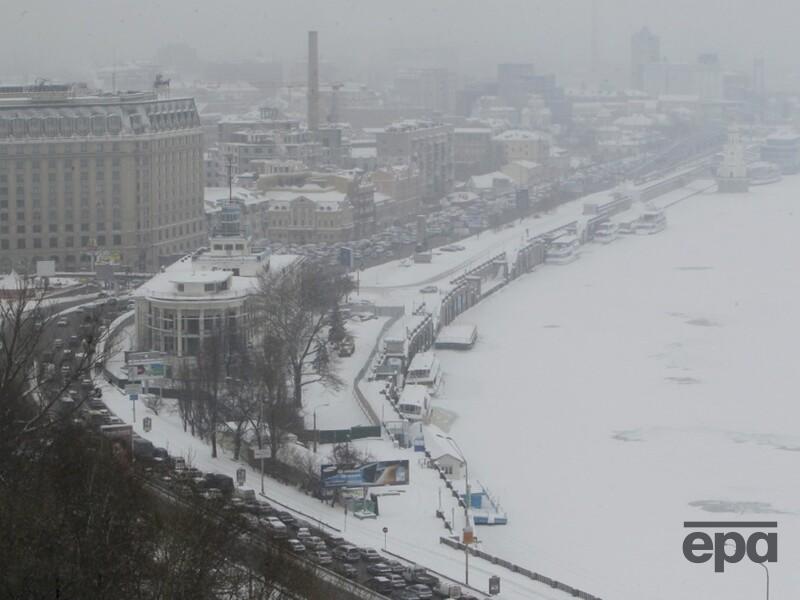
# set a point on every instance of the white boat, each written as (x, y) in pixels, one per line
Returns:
(415, 403)
(762, 173)
(652, 220)
(606, 232)
(425, 369)
(563, 250)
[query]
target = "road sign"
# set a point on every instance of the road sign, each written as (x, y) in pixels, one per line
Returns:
(133, 388)
(147, 424)
(133, 397)
(385, 530)
(261, 453)
(494, 585)
(241, 476)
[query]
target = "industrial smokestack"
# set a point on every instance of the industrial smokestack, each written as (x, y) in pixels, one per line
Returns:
(313, 81)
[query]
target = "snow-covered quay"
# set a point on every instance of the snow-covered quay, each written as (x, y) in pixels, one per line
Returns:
(649, 383)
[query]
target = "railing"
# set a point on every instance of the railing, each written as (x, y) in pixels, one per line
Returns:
(514, 568)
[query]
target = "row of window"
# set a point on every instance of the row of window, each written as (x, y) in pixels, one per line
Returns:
(69, 242)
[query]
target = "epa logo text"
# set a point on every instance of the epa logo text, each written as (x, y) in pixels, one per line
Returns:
(730, 542)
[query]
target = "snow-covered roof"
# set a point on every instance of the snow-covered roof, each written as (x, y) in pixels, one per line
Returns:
(526, 164)
(415, 395)
(422, 361)
(487, 181)
(513, 135)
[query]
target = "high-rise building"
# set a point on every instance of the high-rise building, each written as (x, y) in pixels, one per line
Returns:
(117, 177)
(424, 144)
(645, 50)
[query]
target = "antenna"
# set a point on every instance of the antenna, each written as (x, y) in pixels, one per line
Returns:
(594, 58)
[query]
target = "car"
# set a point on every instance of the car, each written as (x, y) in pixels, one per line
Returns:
(381, 585)
(347, 347)
(405, 594)
(419, 575)
(378, 568)
(396, 566)
(66, 369)
(323, 557)
(296, 546)
(347, 553)
(346, 569)
(58, 343)
(422, 591)
(429, 289)
(303, 533)
(370, 555)
(335, 541)
(62, 323)
(397, 581)
(314, 542)
(286, 517)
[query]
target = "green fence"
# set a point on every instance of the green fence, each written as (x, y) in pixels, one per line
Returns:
(336, 436)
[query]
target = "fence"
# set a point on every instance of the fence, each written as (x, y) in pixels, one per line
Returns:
(109, 343)
(395, 313)
(514, 568)
(335, 436)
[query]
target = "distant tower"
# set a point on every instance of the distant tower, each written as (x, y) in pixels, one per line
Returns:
(313, 81)
(645, 50)
(732, 174)
(595, 59)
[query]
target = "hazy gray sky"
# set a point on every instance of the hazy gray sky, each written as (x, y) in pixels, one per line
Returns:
(50, 36)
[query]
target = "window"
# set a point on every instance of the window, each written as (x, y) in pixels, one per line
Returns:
(180, 287)
(20, 244)
(209, 287)
(54, 242)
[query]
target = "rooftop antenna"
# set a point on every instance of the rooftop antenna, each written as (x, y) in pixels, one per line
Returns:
(594, 58)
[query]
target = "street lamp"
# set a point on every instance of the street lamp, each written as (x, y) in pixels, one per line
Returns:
(316, 433)
(467, 503)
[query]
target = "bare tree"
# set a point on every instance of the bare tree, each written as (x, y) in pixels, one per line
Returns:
(35, 378)
(295, 308)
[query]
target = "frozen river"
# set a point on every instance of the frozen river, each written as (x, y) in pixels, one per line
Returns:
(651, 382)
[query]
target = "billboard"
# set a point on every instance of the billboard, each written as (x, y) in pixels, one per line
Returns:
(146, 371)
(387, 472)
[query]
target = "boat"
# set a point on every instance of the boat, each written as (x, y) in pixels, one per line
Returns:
(425, 369)
(563, 250)
(653, 220)
(763, 173)
(606, 232)
(415, 403)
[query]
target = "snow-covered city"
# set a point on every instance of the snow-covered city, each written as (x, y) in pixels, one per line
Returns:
(319, 326)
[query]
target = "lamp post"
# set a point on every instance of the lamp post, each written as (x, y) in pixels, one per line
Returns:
(316, 433)
(766, 570)
(467, 504)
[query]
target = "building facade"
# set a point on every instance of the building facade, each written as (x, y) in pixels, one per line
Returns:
(114, 176)
(424, 144)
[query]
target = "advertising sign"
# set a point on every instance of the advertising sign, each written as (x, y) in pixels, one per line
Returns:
(388, 472)
(147, 371)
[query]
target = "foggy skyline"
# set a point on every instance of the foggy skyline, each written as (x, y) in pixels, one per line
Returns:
(52, 39)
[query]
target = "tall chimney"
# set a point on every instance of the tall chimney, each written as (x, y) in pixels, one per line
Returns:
(313, 81)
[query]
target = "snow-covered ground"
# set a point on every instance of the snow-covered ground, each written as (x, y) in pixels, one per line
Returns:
(651, 382)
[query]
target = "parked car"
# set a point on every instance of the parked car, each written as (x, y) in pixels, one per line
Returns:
(277, 528)
(303, 533)
(378, 568)
(323, 557)
(381, 585)
(405, 594)
(417, 574)
(347, 347)
(62, 323)
(422, 591)
(370, 555)
(314, 542)
(296, 546)
(397, 581)
(429, 289)
(346, 569)
(396, 566)
(286, 517)
(347, 553)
